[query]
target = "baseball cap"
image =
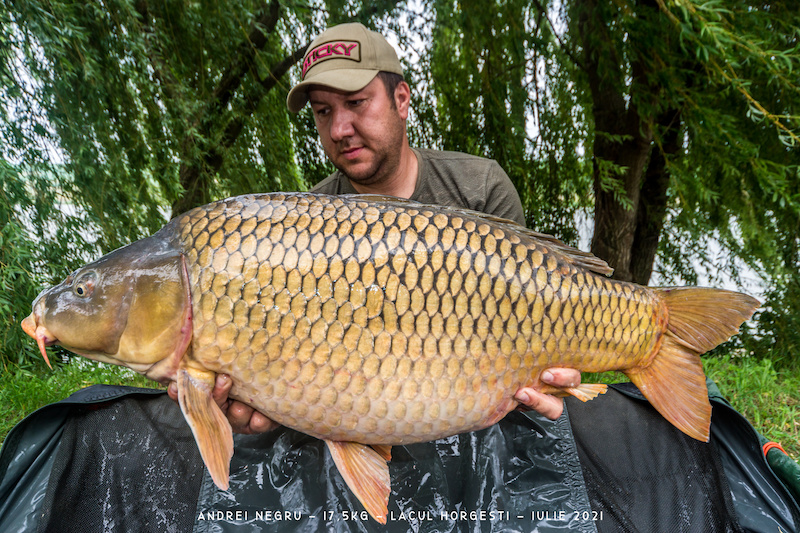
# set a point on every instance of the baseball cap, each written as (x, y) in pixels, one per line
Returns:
(346, 57)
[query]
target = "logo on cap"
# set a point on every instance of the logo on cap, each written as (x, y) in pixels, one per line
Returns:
(332, 50)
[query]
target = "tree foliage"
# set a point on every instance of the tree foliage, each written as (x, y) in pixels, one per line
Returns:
(666, 128)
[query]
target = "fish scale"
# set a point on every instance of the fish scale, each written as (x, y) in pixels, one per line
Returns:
(370, 321)
(388, 323)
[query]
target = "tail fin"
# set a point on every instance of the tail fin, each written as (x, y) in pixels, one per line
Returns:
(703, 318)
(699, 319)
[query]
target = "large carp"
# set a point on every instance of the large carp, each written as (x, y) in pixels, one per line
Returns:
(369, 322)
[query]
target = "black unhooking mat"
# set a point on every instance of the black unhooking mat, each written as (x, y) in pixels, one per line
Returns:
(691, 490)
(112, 457)
(123, 459)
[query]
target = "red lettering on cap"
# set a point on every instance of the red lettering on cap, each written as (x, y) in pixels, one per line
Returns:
(323, 51)
(331, 50)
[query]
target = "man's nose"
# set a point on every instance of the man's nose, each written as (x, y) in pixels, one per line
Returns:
(341, 125)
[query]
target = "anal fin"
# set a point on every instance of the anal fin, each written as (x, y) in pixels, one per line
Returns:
(210, 428)
(366, 473)
(587, 391)
(584, 392)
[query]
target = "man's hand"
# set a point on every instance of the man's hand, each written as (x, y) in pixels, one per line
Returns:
(242, 418)
(546, 405)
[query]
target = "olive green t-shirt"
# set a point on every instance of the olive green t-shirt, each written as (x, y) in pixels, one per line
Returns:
(453, 179)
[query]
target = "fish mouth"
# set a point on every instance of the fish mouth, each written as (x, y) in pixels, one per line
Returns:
(40, 334)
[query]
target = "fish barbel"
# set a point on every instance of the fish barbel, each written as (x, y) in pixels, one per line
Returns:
(370, 322)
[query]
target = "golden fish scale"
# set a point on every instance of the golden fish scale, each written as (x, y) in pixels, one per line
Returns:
(391, 323)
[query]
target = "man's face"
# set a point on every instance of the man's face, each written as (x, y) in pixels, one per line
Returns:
(362, 132)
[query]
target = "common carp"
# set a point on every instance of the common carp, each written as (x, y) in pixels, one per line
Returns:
(370, 322)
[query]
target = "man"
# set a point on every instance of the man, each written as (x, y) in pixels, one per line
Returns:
(354, 82)
(360, 104)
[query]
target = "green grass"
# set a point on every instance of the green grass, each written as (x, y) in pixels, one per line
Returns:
(23, 391)
(768, 398)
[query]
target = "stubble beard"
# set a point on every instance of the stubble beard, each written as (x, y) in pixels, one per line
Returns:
(386, 160)
(379, 172)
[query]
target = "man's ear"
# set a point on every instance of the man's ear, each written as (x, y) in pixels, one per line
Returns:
(402, 99)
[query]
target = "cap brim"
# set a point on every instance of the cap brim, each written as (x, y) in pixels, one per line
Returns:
(347, 80)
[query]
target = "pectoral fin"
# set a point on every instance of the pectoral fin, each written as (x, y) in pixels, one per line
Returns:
(366, 473)
(210, 427)
(384, 450)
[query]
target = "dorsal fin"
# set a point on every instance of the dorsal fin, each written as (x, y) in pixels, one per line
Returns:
(575, 256)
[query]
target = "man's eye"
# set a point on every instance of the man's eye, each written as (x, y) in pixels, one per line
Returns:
(356, 103)
(322, 111)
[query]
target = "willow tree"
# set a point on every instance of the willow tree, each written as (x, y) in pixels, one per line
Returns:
(667, 107)
(668, 125)
(697, 143)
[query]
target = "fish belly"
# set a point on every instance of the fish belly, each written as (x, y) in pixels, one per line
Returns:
(386, 322)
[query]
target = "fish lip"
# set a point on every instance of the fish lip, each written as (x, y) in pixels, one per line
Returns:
(29, 325)
(40, 334)
(32, 327)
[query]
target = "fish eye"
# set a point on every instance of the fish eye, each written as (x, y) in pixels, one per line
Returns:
(84, 284)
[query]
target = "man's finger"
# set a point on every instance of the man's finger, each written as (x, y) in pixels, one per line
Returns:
(260, 423)
(239, 416)
(222, 386)
(172, 390)
(561, 377)
(548, 406)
